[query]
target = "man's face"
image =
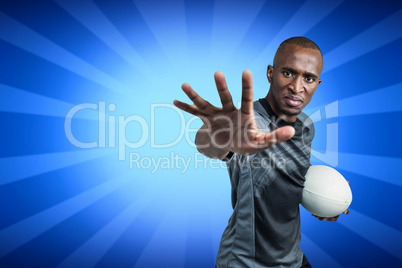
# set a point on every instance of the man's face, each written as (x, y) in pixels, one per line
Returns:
(294, 79)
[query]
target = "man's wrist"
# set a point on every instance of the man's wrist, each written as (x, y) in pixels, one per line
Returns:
(228, 156)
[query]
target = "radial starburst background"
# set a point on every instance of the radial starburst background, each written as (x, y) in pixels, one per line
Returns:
(66, 206)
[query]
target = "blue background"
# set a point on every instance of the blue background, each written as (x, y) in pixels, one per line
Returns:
(71, 207)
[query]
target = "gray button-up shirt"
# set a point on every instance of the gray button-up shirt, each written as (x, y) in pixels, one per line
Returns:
(264, 229)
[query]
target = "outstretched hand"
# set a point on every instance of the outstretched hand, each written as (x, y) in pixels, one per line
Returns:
(230, 128)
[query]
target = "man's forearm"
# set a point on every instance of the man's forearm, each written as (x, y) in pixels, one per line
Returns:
(207, 147)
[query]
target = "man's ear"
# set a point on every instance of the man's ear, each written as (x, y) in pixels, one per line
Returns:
(319, 81)
(270, 72)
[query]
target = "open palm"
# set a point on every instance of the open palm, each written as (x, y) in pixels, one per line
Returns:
(229, 128)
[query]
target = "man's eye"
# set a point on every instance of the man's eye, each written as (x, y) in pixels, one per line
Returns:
(310, 79)
(287, 74)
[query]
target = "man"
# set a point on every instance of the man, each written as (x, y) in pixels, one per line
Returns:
(267, 146)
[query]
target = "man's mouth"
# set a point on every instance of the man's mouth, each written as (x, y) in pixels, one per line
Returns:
(293, 101)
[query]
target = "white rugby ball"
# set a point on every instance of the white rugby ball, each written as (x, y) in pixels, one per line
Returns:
(326, 193)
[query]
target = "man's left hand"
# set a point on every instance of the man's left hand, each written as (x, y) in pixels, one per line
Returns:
(330, 218)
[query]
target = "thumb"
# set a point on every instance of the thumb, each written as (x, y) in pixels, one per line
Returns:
(278, 135)
(283, 133)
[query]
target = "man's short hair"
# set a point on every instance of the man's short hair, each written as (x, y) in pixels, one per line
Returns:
(300, 41)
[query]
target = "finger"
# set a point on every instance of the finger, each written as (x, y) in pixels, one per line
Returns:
(247, 93)
(224, 94)
(320, 218)
(276, 136)
(332, 218)
(202, 104)
(192, 109)
(346, 211)
(328, 218)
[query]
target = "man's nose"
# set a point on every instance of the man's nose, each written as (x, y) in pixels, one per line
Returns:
(297, 84)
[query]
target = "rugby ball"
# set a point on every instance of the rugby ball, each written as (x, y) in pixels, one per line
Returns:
(326, 193)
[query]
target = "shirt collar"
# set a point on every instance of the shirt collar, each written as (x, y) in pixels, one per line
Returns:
(273, 115)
